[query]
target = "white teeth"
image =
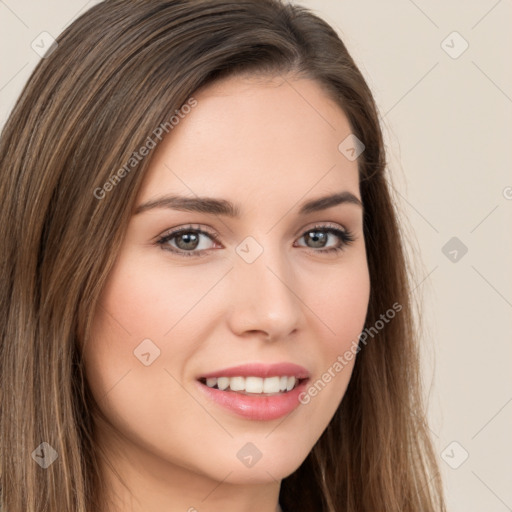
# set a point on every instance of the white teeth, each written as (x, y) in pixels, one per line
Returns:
(269, 385)
(211, 382)
(223, 383)
(237, 383)
(254, 384)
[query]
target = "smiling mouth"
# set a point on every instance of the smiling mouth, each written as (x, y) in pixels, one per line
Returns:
(254, 386)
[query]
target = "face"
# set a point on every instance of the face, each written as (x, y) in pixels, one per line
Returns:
(257, 292)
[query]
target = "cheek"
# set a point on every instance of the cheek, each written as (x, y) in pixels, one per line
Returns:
(341, 302)
(145, 403)
(146, 307)
(150, 297)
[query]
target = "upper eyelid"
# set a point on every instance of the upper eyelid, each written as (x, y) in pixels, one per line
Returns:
(215, 235)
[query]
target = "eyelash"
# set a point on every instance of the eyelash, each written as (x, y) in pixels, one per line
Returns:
(346, 237)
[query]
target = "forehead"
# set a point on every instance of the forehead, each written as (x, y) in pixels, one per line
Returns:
(259, 135)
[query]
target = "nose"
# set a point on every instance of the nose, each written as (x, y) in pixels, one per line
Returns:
(264, 297)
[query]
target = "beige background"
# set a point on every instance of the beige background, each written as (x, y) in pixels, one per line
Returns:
(449, 132)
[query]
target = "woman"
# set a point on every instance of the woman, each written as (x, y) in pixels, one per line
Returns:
(205, 303)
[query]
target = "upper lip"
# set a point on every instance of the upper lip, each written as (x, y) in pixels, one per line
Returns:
(260, 370)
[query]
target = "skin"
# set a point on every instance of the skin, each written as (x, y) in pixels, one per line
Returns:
(267, 145)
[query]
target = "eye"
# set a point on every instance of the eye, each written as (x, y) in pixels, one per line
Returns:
(319, 237)
(188, 241)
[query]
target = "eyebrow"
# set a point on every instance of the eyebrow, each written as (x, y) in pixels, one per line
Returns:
(223, 207)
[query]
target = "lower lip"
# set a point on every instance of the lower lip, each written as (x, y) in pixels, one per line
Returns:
(262, 408)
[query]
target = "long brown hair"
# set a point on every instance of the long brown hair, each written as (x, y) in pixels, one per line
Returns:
(120, 71)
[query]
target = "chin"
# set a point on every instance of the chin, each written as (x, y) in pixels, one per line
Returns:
(254, 466)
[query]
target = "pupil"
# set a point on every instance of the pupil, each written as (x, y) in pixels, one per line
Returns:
(189, 238)
(318, 236)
